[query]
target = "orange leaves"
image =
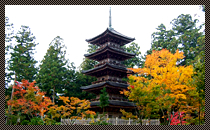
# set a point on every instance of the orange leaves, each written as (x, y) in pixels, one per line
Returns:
(88, 112)
(127, 115)
(65, 99)
(162, 58)
(28, 99)
(72, 106)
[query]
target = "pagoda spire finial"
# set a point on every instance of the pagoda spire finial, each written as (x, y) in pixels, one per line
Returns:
(110, 21)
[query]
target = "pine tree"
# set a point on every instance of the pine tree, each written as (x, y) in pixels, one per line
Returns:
(135, 61)
(53, 71)
(188, 33)
(104, 99)
(163, 39)
(184, 36)
(9, 32)
(22, 64)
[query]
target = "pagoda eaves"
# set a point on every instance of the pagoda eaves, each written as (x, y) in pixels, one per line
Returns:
(108, 35)
(104, 67)
(109, 49)
(120, 85)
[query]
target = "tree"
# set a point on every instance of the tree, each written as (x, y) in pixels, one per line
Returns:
(28, 100)
(163, 39)
(22, 64)
(9, 32)
(184, 36)
(203, 8)
(79, 81)
(188, 33)
(135, 61)
(72, 109)
(88, 63)
(52, 77)
(163, 84)
(104, 99)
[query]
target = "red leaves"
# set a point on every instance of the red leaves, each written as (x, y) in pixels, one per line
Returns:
(28, 102)
(132, 86)
(176, 119)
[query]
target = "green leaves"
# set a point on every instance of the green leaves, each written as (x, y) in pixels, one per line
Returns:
(103, 99)
(54, 69)
(137, 60)
(22, 62)
(184, 35)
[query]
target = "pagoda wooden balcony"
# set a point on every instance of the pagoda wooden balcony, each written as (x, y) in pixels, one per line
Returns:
(111, 62)
(111, 45)
(110, 79)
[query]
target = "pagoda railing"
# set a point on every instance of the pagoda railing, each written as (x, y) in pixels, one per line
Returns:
(111, 44)
(99, 81)
(112, 62)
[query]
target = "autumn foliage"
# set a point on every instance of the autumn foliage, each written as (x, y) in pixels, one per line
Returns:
(29, 100)
(73, 108)
(163, 85)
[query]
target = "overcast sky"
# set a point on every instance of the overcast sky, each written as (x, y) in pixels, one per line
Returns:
(76, 23)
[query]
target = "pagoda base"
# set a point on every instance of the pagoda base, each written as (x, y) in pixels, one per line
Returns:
(113, 110)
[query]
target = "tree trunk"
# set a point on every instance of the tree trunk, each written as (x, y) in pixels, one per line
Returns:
(10, 107)
(164, 116)
(199, 105)
(180, 118)
(53, 94)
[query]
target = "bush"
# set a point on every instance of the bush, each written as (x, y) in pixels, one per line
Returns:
(25, 122)
(36, 121)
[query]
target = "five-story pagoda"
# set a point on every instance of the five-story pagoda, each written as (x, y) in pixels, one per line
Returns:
(109, 71)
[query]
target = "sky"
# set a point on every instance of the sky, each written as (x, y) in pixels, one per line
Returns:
(76, 23)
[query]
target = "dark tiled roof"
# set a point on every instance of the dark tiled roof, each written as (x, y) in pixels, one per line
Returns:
(117, 50)
(115, 103)
(103, 66)
(117, 33)
(111, 30)
(103, 83)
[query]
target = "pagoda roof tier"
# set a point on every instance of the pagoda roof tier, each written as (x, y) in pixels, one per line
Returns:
(106, 66)
(96, 55)
(110, 35)
(114, 103)
(110, 84)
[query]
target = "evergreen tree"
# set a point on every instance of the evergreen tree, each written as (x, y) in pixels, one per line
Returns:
(22, 64)
(79, 80)
(185, 28)
(135, 61)
(54, 69)
(9, 32)
(163, 39)
(184, 36)
(104, 99)
(88, 63)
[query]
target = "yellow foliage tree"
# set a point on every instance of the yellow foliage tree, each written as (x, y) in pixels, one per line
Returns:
(73, 109)
(163, 84)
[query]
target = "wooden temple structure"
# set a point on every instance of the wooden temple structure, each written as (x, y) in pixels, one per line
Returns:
(109, 71)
